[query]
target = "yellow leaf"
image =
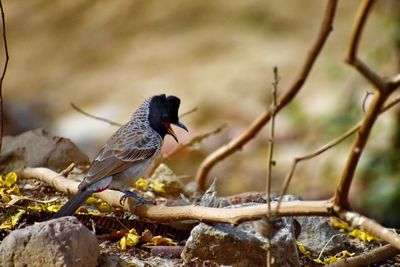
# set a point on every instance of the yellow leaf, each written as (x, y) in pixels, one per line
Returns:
(337, 223)
(302, 249)
(10, 179)
(12, 222)
(364, 236)
(104, 207)
(4, 196)
(53, 208)
(91, 201)
(157, 240)
(14, 190)
(37, 207)
(142, 183)
(130, 239)
(122, 243)
(157, 186)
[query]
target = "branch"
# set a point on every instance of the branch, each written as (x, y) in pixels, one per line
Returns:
(112, 123)
(368, 258)
(238, 142)
(326, 147)
(358, 221)
(180, 147)
(351, 57)
(383, 92)
(167, 214)
(3, 74)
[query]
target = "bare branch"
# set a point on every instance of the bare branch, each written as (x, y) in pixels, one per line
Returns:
(165, 214)
(112, 123)
(383, 92)
(359, 221)
(351, 57)
(188, 112)
(238, 142)
(4, 73)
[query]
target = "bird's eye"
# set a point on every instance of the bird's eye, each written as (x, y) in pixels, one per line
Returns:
(164, 117)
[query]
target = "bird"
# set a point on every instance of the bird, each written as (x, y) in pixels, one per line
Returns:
(129, 152)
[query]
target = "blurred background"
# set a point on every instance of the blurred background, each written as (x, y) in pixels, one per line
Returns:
(218, 56)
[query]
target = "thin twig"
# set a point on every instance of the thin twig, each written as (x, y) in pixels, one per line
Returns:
(237, 143)
(112, 123)
(188, 112)
(271, 139)
(3, 74)
(181, 147)
(364, 104)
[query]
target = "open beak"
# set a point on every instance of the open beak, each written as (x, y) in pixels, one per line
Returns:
(171, 132)
(181, 125)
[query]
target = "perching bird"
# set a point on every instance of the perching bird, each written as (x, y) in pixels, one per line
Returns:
(129, 152)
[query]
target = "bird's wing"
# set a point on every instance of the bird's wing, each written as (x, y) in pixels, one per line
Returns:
(120, 153)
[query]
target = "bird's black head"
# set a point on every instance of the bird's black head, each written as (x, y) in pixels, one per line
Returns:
(164, 112)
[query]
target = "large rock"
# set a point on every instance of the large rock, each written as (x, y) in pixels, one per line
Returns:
(239, 246)
(38, 148)
(59, 242)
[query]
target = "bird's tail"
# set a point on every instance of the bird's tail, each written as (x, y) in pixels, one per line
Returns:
(73, 204)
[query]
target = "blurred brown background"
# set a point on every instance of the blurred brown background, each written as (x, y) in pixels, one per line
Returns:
(108, 56)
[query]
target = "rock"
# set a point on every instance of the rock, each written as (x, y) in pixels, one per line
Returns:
(38, 148)
(59, 242)
(316, 232)
(239, 246)
(164, 175)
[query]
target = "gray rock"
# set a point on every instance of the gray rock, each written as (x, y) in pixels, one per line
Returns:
(38, 148)
(317, 233)
(164, 175)
(59, 242)
(239, 246)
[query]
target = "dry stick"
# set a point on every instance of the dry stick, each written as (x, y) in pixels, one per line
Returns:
(271, 153)
(324, 148)
(112, 123)
(166, 214)
(271, 139)
(383, 90)
(368, 258)
(180, 147)
(370, 226)
(237, 143)
(3, 74)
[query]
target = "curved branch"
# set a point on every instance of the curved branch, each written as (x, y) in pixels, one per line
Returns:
(237, 143)
(179, 213)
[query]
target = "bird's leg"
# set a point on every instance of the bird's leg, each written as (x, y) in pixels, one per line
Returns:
(128, 193)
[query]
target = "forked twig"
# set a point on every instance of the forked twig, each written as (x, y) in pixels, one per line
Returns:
(383, 90)
(4, 73)
(237, 143)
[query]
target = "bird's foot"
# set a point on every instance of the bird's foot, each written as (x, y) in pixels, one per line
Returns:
(131, 194)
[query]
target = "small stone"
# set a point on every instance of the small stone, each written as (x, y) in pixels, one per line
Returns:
(173, 185)
(60, 242)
